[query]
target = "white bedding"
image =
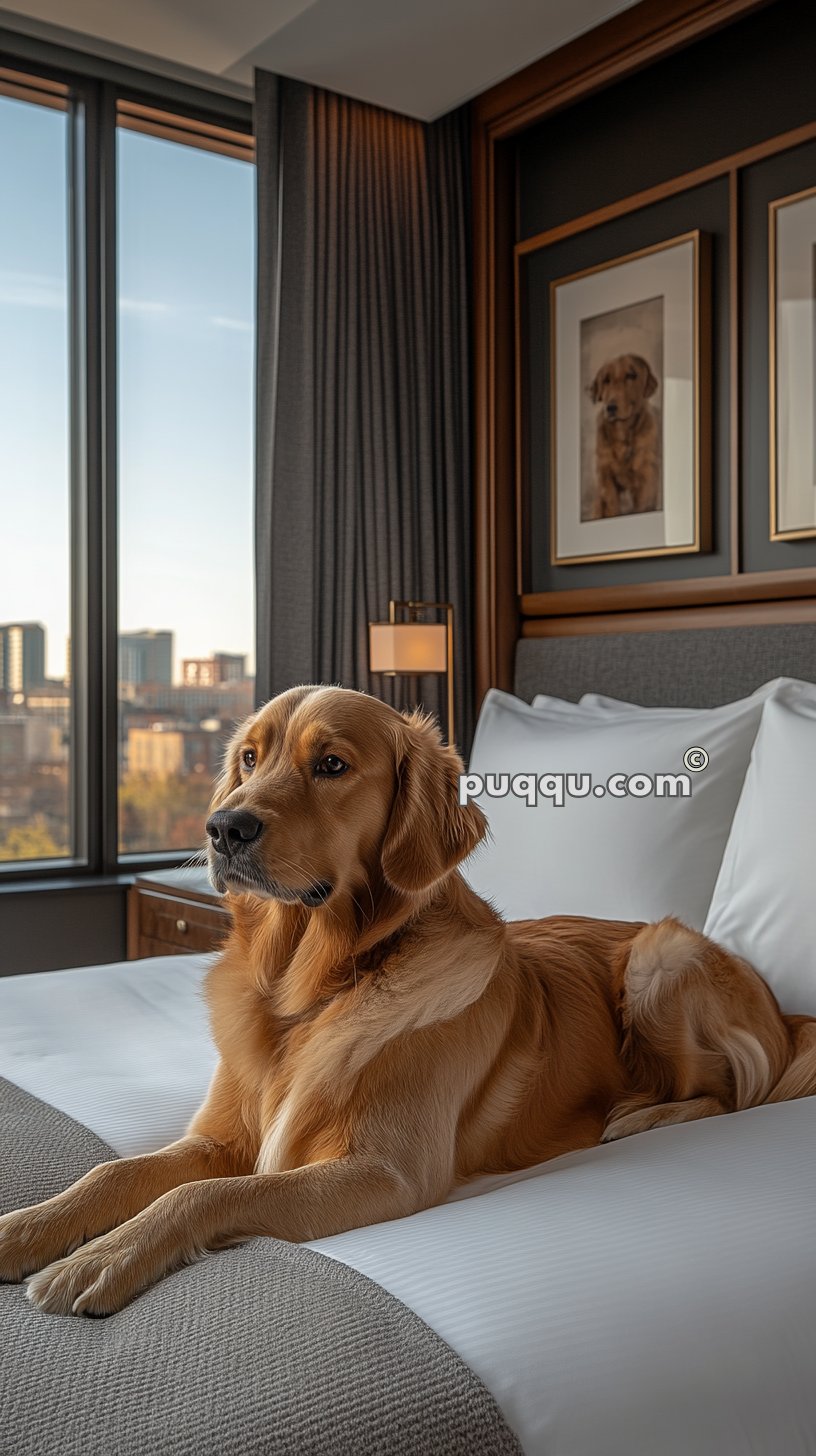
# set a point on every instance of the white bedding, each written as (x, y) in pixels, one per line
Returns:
(124, 1049)
(653, 1298)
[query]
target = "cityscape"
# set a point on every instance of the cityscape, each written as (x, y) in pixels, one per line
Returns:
(172, 733)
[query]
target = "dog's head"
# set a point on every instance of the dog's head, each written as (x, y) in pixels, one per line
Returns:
(324, 789)
(622, 385)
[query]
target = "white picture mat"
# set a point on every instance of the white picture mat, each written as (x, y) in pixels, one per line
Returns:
(795, 366)
(669, 273)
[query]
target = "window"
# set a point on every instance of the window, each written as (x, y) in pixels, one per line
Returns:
(126, 556)
(185, 282)
(35, 476)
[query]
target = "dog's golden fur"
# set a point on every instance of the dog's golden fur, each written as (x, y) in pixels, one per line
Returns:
(383, 1034)
(627, 442)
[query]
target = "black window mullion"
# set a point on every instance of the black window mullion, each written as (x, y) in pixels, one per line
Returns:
(96, 565)
(92, 567)
(83, 847)
(108, 486)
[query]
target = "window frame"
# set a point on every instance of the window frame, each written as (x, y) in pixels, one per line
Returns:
(96, 87)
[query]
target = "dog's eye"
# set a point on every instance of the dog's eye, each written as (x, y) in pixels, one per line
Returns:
(248, 758)
(630, 374)
(331, 767)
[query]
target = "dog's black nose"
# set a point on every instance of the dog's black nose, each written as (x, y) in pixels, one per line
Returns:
(232, 829)
(611, 409)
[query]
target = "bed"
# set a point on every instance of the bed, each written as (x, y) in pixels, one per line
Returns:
(654, 1296)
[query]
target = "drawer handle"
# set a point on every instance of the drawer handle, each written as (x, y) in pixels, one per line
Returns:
(181, 927)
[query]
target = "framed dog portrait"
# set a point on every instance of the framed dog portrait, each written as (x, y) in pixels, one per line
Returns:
(792, 345)
(630, 402)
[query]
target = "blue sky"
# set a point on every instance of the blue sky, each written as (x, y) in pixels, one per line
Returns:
(186, 291)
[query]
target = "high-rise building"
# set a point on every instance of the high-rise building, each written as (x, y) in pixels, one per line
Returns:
(22, 656)
(209, 672)
(146, 657)
(230, 666)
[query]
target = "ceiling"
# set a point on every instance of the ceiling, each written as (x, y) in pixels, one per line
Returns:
(421, 57)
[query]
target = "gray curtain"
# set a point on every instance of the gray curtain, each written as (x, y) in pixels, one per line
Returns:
(363, 406)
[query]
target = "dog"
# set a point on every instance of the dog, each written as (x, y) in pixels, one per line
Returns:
(627, 442)
(383, 1034)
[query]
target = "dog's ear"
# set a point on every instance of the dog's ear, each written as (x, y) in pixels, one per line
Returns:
(594, 390)
(429, 831)
(650, 386)
(230, 776)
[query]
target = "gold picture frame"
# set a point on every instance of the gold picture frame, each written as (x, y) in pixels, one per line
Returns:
(779, 532)
(689, 292)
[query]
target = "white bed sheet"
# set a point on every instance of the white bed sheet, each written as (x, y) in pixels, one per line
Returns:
(653, 1298)
(125, 1049)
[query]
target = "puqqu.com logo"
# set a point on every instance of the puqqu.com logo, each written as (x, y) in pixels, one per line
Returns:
(556, 788)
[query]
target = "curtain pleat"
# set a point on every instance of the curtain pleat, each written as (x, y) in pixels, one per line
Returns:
(363, 386)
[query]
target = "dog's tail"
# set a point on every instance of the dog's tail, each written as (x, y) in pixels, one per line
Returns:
(677, 996)
(799, 1078)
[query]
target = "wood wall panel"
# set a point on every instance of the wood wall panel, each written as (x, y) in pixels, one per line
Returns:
(646, 33)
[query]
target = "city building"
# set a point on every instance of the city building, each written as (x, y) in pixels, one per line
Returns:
(225, 700)
(208, 672)
(25, 741)
(22, 656)
(52, 702)
(145, 657)
(168, 750)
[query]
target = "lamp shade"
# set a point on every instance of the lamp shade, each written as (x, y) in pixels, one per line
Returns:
(410, 647)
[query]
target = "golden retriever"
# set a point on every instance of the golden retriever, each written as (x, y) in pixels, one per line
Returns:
(383, 1034)
(627, 448)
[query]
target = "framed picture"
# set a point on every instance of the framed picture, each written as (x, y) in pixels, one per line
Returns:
(792, 343)
(630, 400)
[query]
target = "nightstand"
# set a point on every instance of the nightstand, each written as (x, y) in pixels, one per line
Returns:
(171, 912)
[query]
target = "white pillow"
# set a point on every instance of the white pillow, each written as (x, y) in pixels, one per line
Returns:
(764, 903)
(563, 705)
(606, 856)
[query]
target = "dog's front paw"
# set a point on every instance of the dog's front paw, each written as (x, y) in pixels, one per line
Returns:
(627, 1124)
(98, 1279)
(32, 1237)
(104, 1275)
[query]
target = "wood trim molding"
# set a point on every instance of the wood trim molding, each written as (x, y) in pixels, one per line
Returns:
(624, 44)
(734, 335)
(745, 614)
(673, 186)
(496, 621)
(754, 586)
(174, 127)
(20, 86)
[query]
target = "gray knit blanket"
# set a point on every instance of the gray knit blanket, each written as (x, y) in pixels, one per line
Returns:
(266, 1348)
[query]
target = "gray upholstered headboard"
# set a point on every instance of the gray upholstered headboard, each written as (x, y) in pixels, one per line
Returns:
(688, 667)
